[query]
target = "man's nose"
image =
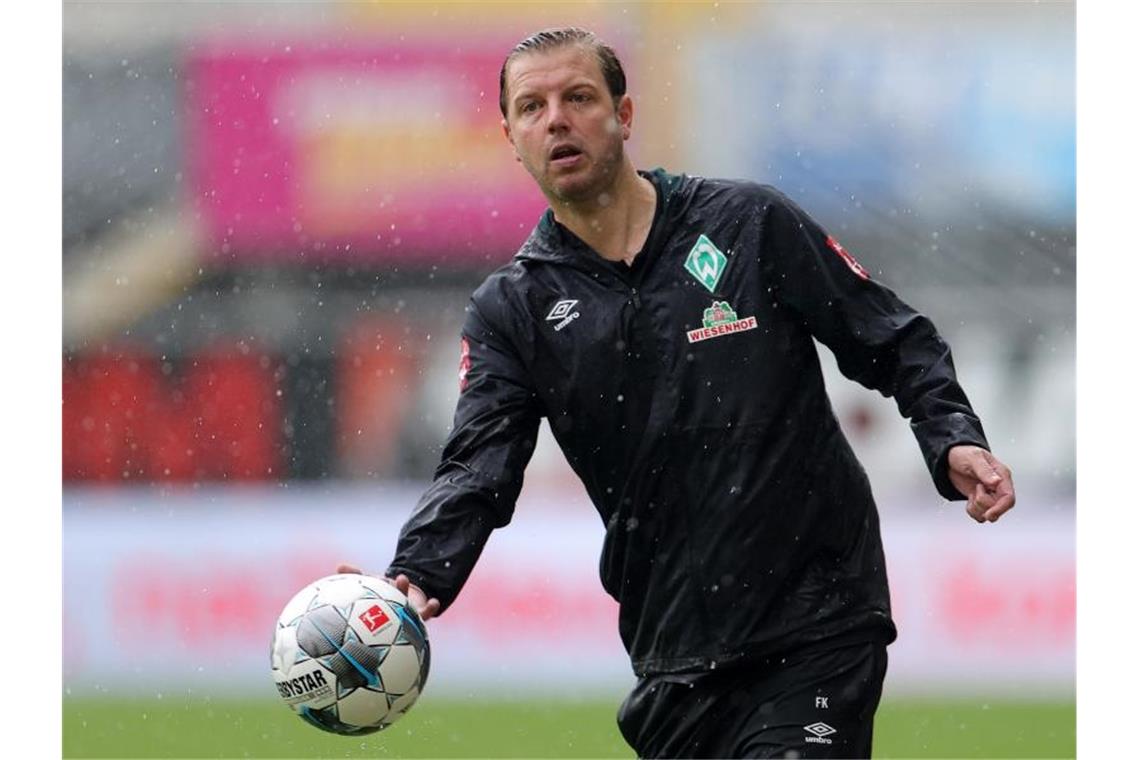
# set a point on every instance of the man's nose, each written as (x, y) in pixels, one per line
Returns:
(556, 118)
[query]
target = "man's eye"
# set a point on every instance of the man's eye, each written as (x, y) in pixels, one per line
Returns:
(529, 107)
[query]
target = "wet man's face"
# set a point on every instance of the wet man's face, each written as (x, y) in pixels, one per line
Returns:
(563, 123)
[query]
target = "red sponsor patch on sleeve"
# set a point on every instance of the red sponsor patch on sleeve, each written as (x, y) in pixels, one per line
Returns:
(464, 363)
(852, 264)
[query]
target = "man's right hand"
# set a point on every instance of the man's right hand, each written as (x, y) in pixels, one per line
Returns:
(983, 480)
(427, 608)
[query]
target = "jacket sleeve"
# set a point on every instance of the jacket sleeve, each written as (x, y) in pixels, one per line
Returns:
(877, 339)
(481, 470)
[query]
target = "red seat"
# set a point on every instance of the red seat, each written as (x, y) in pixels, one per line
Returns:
(111, 403)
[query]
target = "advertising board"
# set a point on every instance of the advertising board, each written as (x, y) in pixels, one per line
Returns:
(181, 589)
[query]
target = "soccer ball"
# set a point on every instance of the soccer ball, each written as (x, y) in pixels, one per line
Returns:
(350, 655)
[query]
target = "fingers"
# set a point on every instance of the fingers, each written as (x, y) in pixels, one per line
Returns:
(988, 505)
(977, 463)
(345, 568)
(429, 610)
(987, 471)
(1004, 500)
(1000, 507)
(425, 607)
(1002, 493)
(974, 505)
(984, 480)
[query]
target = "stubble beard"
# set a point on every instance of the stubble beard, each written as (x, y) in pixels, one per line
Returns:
(596, 187)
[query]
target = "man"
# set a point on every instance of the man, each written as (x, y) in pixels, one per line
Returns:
(663, 325)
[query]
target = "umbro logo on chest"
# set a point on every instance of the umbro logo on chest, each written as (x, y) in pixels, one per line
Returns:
(563, 313)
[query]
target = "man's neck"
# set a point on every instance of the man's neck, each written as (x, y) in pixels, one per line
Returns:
(616, 223)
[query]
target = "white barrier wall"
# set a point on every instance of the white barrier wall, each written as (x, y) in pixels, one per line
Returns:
(166, 592)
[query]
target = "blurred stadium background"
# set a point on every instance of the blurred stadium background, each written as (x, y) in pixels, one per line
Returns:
(273, 214)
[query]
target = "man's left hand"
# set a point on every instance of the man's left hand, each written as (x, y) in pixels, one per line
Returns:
(425, 607)
(983, 480)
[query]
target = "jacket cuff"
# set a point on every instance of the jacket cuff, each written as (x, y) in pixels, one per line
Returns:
(936, 437)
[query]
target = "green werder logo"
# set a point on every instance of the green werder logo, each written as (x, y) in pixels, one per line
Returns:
(706, 263)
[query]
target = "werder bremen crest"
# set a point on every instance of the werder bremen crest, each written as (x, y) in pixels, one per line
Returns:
(706, 263)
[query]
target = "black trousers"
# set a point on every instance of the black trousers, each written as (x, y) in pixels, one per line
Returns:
(818, 703)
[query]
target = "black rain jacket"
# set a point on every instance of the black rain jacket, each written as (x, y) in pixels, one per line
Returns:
(689, 400)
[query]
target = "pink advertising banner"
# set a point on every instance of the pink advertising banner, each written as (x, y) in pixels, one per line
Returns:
(354, 152)
(182, 586)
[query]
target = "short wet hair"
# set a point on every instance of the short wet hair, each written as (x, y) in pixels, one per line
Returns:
(549, 39)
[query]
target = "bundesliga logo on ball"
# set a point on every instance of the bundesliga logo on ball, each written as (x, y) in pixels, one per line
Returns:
(350, 655)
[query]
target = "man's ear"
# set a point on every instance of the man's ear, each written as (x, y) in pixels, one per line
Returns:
(624, 115)
(510, 138)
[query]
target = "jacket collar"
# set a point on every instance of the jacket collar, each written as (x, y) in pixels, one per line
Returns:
(552, 242)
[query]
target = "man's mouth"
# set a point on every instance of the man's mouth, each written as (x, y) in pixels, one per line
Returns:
(565, 155)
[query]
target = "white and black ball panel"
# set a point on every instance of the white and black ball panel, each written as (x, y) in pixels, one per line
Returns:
(401, 669)
(284, 650)
(399, 704)
(342, 590)
(328, 719)
(320, 631)
(299, 604)
(355, 665)
(362, 707)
